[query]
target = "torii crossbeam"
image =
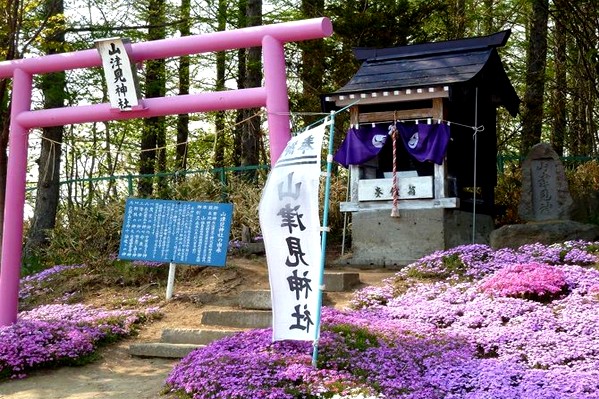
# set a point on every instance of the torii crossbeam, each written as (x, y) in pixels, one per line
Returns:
(273, 95)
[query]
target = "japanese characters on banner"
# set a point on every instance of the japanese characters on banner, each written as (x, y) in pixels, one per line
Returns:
(119, 72)
(290, 226)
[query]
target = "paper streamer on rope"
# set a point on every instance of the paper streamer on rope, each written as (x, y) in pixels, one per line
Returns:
(291, 229)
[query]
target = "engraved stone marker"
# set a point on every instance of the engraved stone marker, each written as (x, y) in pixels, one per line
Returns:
(545, 195)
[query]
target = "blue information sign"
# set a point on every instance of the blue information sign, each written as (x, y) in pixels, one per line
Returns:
(195, 233)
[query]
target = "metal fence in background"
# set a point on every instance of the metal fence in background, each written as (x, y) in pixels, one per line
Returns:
(83, 191)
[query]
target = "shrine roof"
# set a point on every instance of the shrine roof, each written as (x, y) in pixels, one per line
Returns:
(439, 64)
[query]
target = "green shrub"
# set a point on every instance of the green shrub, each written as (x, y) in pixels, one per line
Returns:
(91, 234)
(583, 183)
(507, 196)
(86, 235)
(584, 188)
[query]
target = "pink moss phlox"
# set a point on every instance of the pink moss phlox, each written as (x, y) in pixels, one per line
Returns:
(526, 280)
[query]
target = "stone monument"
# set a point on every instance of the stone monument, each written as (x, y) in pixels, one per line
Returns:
(545, 195)
(545, 205)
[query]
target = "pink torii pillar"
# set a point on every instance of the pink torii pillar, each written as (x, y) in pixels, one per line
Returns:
(273, 95)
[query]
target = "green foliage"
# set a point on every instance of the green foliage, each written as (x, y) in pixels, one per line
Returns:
(375, 24)
(583, 183)
(584, 187)
(420, 275)
(61, 287)
(86, 234)
(90, 234)
(33, 263)
(355, 338)
(131, 274)
(244, 195)
(337, 194)
(507, 196)
(451, 266)
(359, 339)
(454, 265)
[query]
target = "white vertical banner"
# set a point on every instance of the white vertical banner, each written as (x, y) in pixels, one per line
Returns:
(290, 225)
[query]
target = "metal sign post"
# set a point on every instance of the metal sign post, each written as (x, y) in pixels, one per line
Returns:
(170, 282)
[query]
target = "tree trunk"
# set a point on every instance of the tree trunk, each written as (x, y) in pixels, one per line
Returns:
(457, 23)
(241, 72)
(183, 119)
(153, 141)
(560, 91)
(313, 64)
(532, 119)
(580, 19)
(219, 124)
(251, 127)
(48, 188)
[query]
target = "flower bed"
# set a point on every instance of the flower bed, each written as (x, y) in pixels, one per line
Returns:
(535, 281)
(456, 324)
(54, 335)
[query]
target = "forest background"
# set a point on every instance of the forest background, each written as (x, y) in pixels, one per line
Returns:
(551, 58)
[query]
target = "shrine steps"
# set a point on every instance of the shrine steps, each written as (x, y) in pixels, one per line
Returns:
(252, 311)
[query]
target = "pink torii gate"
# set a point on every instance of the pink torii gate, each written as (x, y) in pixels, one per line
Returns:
(273, 95)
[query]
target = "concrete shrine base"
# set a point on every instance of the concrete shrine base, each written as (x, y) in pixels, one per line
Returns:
(379, 240)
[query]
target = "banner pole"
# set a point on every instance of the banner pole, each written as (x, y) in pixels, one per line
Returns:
(325, 229)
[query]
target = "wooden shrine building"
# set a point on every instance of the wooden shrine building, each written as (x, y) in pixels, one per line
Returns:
(459, 83)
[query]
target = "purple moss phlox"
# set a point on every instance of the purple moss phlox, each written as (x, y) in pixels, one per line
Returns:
(61, 334)
(441, 339)
(32, 284)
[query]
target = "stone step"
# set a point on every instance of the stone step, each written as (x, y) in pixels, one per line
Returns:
(193, 336)
(237, 318)
(333, 282)
(161, 349)
(255, 312)
(340, 281)
(255, 300)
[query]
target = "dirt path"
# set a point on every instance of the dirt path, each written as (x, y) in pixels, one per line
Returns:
(116, 376)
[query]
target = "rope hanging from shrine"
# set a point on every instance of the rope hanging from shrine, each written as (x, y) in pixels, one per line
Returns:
(394, 188)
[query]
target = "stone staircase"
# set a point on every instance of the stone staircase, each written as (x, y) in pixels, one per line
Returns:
(252, 311)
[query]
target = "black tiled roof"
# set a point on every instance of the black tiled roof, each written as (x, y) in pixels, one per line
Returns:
(435, 64)
(495, 40)
(433, 70)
